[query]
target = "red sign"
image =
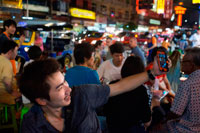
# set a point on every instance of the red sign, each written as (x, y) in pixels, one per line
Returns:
(180, 10)
(101, 19)
(152, 14)
(168, 9)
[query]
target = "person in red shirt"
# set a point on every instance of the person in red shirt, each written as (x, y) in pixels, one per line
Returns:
(39, 41)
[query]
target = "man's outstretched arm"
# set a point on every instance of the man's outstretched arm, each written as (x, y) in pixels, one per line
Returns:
(128, 83)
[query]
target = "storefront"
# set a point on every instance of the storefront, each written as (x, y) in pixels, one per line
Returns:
(82, 18)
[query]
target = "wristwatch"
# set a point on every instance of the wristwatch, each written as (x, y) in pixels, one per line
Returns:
(150, 75)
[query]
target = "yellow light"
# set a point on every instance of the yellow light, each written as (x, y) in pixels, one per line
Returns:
(179, 21)
(180, 10)
(81, 13)
(13, 3)
(180, 3)
(136, 36)
(160, 6)
(195, 1)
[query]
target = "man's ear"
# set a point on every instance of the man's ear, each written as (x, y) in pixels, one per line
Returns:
(41, 101)
(6, 27)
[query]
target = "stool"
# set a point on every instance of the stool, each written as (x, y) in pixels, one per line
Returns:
(8, 118)
(24, 110)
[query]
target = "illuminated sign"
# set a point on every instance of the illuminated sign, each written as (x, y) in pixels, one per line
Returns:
(195, 1)
(12, 3)
(81, 13)
(180, 11)
(153, 21)
(168, 9)
(160, 6)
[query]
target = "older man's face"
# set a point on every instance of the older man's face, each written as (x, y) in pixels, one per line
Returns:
(133, 42)
(187, 65)
(108, 42)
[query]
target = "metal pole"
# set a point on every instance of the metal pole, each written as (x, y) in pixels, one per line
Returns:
(27, 11)
(52, 41)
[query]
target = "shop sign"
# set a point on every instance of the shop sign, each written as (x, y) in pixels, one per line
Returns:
(81, 13)
(160, 6)
(12, 3)
(195, 1)
(180, 11)
(152, 14)
(168, 9)
(4, 15)
(153, 21)
(101, 19)
(88, 23)
(36, 8)
(74, 21)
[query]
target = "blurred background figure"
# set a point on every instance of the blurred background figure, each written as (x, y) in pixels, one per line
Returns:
(106, 55)
(135, 50)
(183, 43)
(38, 41)
(195, 39)
(151, 43)
(97, 58)
(65, 62)
(174, 72)
(166, 43)
(34, 53)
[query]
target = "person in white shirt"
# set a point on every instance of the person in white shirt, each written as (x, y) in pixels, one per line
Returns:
(110, 69)
(195, 39)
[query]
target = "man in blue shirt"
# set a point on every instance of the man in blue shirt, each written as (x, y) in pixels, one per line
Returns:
(82, 73)
(58, 108)
(135, 50)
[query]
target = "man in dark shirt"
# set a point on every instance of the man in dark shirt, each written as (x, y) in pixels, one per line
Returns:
(9, 30)
(58, 108)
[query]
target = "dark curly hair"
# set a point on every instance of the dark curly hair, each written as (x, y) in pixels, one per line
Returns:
(33, 80)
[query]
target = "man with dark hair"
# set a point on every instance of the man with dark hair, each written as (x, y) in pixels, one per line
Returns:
(34, 53)
(129, 112)
(185, 108)
(8, 93)
(9, 27)
(82, 73)
(9, 30)
(110, 69)
(59, 108)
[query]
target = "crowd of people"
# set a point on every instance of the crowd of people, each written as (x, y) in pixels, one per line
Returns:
(104, 91)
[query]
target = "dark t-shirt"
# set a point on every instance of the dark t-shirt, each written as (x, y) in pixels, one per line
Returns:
(85, 99)
(3, 38)
(128, 109)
